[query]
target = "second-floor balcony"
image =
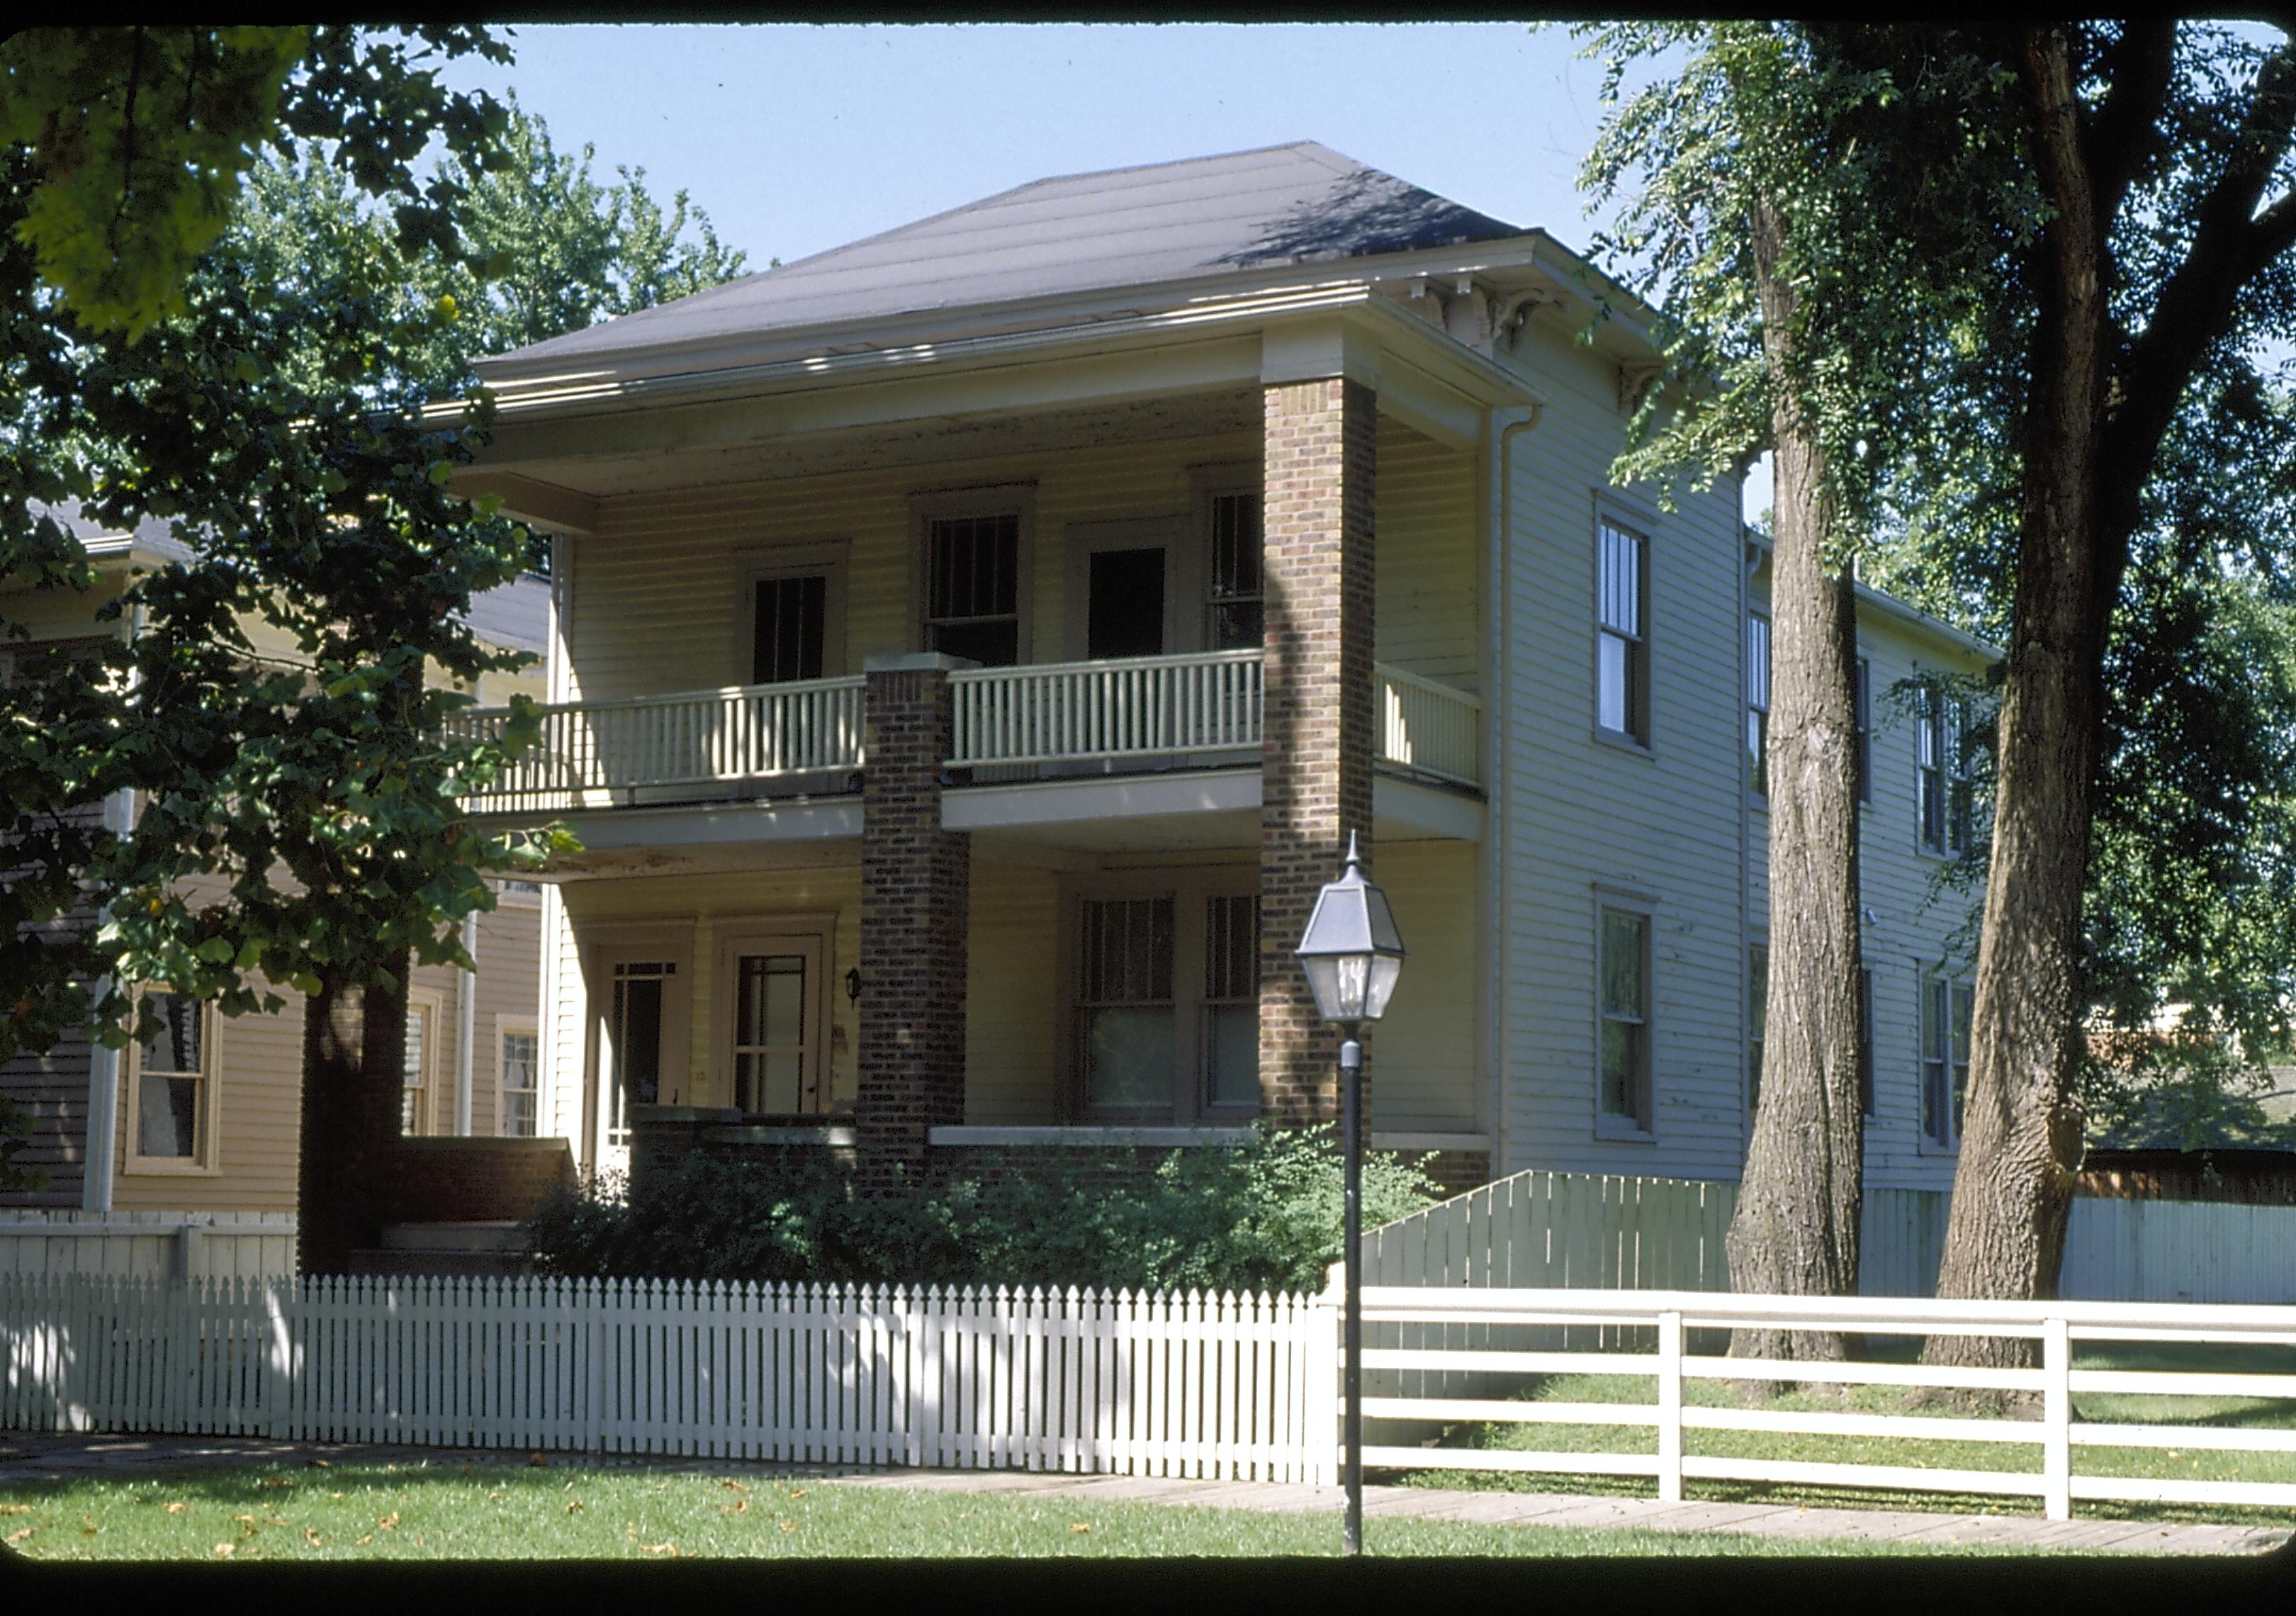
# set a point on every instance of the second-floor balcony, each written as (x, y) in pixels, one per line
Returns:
(1132, 715)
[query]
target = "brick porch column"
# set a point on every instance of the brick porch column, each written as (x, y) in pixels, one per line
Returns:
(1316, 729)
(915, 880)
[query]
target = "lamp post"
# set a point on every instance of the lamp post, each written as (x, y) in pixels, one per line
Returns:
(1352, 955)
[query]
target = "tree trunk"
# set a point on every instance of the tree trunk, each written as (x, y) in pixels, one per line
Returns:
(2021, 1132)
(353, 1067)
(1795, 1230)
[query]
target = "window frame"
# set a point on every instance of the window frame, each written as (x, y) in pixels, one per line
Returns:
(1191, 889)
(1082, 540)
(1641, 1127)
(1757, 714)
(813, 934)
(508, 1026)
(1861, 718)
(1959, 996)
(1639, 735)
(432, 1003)
(640, 942)
(204, 1159)
(826, 559)
(1944, 728)
(1209, 485)
(928, 507)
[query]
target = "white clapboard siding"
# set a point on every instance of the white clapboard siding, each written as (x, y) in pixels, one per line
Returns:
(1192, 1385)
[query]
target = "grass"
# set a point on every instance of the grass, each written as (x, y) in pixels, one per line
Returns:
(1938, 1453)
(489, 1512)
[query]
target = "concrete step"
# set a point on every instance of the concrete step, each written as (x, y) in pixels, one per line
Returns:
(497, 1237)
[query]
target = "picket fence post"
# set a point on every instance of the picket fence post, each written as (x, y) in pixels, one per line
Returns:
(1669, 1407)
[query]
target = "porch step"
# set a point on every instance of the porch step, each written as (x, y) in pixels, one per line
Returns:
(489, 1236)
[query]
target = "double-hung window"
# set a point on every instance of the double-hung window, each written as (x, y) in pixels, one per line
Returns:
(1861, 697)
(1166, 1002)
(1946, 1006)
(518, 1114)
(1622, 632)
(1622, 985)
(416, 1101)
(1948, 783)
(173, 1083)
(1757, 705)
(972, 586)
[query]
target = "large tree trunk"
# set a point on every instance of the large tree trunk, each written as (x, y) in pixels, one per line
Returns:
(1795, 1230)
(354, 1067)
(2021, 1132)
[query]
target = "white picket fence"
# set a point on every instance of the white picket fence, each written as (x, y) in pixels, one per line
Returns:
(1204, 1386)
(1498, 1340)
(1540, 1229)
(156, 1245)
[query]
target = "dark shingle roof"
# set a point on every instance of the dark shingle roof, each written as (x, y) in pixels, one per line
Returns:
(1120, 227)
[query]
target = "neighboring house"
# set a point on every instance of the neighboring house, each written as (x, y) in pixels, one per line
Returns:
(972, 648)
(205, 1113)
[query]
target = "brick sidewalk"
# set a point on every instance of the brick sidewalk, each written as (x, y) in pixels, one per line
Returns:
(30, 1456)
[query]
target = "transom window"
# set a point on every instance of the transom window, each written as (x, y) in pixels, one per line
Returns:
(1622, 975)
(173, 1092)
(972, 588)
(1623, 642)
(1235, 617)
(1946, 1006)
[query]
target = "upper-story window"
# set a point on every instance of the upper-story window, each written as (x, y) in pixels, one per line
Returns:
(972, 586)
(1946, 1006)
(1233, 618)
(1757, 705)
(791, 627)
(1622, 632)
(1948, 784)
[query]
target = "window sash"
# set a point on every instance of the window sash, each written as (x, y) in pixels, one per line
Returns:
(1946, 1007)
(1757, 705)
(173, 1092)
(1621, 677)
(521, 1084)
(1623, 1060)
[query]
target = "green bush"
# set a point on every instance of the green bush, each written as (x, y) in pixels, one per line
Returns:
(1263, 1217)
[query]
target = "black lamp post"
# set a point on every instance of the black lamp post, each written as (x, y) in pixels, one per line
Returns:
(1352, 955)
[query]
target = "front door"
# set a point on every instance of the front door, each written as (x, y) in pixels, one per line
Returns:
(640, 1047)
(776, 1028)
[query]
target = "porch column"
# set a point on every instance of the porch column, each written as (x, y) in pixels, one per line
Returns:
(915, 880)
(1317, 726)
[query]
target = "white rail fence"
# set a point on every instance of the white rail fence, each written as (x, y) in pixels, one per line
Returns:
(1541, 1229)
(1429, 727)
(591, 749)
(1135, 708)
(154, 1245)
(1501, 1340)
(1224, 1387)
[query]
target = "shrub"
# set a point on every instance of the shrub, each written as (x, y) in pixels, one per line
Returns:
(1266, 1216)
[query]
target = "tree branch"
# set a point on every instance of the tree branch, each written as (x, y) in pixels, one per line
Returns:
(2138, 66)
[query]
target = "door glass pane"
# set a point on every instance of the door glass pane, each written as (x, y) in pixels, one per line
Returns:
(1125, 614)
(634, 1037)
(1128, 1057)
(792, 615)
(769, 1036)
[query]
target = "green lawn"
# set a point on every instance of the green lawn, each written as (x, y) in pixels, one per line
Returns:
(488, 1512)
(2207, 1464)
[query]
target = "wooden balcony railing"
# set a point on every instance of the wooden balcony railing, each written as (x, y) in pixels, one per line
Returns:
(596, 754)
(590, 751)
(1081, 712)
